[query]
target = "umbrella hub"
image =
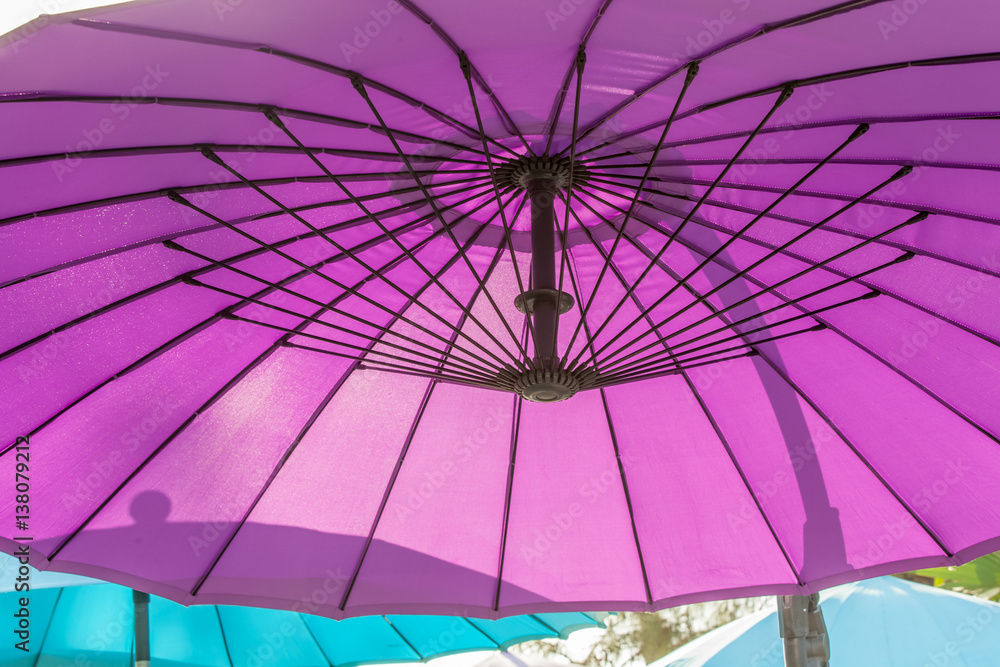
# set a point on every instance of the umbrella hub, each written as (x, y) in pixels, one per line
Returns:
(556, 170)
(547, 384)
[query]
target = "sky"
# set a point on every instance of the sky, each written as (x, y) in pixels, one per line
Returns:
(14, 13)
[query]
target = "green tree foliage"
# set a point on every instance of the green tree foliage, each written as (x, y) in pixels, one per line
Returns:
(981, 577)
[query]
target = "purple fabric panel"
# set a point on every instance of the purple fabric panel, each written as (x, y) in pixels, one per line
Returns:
(804, 476)
(362, 430)
(568, 515)
(43, 378)
(921, 448)
(447, 503)
(837, 44)
(41, 243)
(688, 496)
(87, 452)
(512, 38)
(41, 304)
(178, 524)
(83, 127)
(117, 68)
(954, 364)
(953, 291)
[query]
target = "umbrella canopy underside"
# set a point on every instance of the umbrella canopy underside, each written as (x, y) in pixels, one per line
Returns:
(260, 262)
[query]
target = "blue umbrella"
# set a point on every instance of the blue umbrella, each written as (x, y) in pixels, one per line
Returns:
(79, 622)
(884, 622)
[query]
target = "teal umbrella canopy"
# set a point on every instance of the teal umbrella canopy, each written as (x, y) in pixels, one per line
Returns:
(81, 622)
(884, 622)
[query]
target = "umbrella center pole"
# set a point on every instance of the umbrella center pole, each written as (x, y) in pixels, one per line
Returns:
(541, 194)
(803, 631)
(140, 607)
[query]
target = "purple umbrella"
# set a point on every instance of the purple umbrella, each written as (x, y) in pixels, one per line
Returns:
(294, 308)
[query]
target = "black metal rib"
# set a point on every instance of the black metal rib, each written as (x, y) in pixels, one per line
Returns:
(795, 303)
(767, 161)
(808, 400)
(841, 231)
(372, 273)
(215, 264)
(722, 248)
(692, 73)
(515, 427)
(581, 61)
(781, 99)
(507, 229)
(278, 122)
(557, 104)
(336, 282)
(508, 122)
(659, 263)
(406, 447)
(519, 363)
(801, 235)
(810, 81)
(759, 32)
(286, 55)
(769, 289)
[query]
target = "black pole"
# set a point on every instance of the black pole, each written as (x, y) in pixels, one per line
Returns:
(541, 193)
(140, 603)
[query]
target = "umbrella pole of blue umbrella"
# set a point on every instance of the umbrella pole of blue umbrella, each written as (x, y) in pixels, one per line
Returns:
(140, 603)
(803, 631)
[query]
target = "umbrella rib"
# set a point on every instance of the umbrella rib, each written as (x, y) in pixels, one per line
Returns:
(288, 452)
(755, 264)
(658, 262)
(172, 149)
(809, 81)
(746, 37)
(574, 281)
(222, 631)
(45, 633)
(215, 264)
(285, 55)
(857, 120)
(392, 369)
(337, 283)
(409, 438)
(769, 289)
(462, 251)
(862, 162)
(409, 644)
(581, 61)
(511, 126)
(783, 218)
(226, 105)
(466, 67)
(843, 274)
(278, 343)
(515, 428)
(691, 74)
(781, 99)
(815, 407)
(834, 196)
(189, 333)
(628, 498)
(927, 529)
(794, 303)
(789, 191)
(371, 274)
(359, 86)
(560, 99)
(232, 185)
(306, 618)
